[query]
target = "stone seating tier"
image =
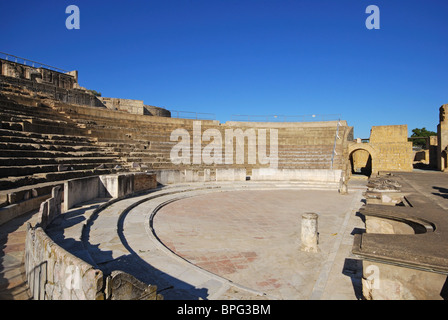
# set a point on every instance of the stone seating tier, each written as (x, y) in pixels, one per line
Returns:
(298, 147)
(45, 141)
(33, 116)
(29, 180)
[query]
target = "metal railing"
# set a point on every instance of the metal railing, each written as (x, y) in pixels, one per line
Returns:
(192, 115)
(31, 63)
(285, 118)
(336, 137)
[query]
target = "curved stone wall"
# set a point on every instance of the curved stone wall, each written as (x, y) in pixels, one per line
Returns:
(54, 273)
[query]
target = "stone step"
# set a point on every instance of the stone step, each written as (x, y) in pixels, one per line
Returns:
(15, 182)
(42, 128)
(51, 147)
(126, 144)
(163, 130)
(126, 123)
(28, 108)
(52, 137)
(8, 125)
(53, 129)
(47, 120)
(54, 154)
(16, 171)
(27, 111)
(30, 140)
(33, 161)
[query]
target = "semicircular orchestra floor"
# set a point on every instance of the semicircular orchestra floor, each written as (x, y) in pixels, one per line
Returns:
(253, 238)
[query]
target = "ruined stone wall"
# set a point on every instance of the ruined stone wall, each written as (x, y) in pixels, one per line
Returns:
(128, 105)
(26, 87)
(53, 273)
(39, 75)
(157, 111)
(394, 152)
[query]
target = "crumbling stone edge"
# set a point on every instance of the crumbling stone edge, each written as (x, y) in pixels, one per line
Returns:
(52, 273)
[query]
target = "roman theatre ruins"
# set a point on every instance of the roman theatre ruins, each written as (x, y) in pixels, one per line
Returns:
(109, 198)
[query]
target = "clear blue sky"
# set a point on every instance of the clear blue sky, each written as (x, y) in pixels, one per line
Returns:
(257, 57)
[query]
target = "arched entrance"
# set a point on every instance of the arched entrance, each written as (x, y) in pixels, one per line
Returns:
(361, 162)
(362, 159)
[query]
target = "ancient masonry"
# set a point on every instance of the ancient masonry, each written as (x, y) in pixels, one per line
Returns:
(63, 146)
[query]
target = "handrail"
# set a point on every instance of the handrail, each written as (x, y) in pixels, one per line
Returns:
(336, 137)
(32, 63)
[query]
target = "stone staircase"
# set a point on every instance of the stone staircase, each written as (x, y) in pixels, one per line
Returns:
(44, 142)
(299, 148)
(40, 148)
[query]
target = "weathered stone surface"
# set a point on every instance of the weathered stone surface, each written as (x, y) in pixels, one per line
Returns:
(390, 282)
(56, 274)
(404, 249)
(123, 286)
(309, 232)
(388, 148)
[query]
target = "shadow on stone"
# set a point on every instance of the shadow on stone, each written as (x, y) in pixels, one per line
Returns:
(169, 287)
(353, 269)
(443, 192)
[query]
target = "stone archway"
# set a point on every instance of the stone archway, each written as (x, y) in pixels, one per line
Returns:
(361, 162)
(362, 159)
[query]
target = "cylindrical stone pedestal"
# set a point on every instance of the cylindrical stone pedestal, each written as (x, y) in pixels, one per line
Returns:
(309, 236)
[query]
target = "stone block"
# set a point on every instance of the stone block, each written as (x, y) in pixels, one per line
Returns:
(80, 190)
(168, 176)
(123, 286)
(12, 211)
(230, 174)
(391, 282)
(115, 185)
(312, 175)
(144, 181)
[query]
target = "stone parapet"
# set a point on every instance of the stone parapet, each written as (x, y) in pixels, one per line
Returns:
(53, 273)
(106, 186)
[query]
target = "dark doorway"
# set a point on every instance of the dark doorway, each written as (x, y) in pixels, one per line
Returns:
(361, 162)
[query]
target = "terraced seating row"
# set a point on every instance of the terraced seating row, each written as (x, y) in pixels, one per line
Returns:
(46, 141)
(47, 157)
(40, 148)
(298, 147)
